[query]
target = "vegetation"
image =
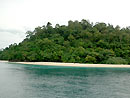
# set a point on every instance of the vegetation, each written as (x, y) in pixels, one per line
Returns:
(81, 42)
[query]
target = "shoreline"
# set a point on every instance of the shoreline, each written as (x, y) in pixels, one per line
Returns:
(74, 64)
(71, 64)
(3, 61)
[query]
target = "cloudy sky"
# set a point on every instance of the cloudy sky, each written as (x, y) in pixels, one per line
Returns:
(18, 16)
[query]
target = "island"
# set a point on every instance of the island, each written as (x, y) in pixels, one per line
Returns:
(78, 42)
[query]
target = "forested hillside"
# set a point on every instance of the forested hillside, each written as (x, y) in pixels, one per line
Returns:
(78, 42)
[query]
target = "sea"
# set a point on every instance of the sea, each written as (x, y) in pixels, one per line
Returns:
(35, 81)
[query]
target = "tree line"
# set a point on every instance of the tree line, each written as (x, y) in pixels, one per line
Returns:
(77, 42)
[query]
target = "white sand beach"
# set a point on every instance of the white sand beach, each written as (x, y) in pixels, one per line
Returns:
(75, 64)
(3, 61)
(71, 64)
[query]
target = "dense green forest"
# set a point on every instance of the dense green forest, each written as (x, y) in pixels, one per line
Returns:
(78, 42)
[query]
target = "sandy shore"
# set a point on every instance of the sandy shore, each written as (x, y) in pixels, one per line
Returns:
(74, 64)
(3, 61)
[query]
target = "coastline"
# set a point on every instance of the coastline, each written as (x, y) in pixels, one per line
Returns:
(3, 61)
(75, 64)
(71, 64)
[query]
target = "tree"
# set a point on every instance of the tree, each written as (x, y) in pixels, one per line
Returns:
(116, 60)
(90, 59)
(79, 41)
(29, 34)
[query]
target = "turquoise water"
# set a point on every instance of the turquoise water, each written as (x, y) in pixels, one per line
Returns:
(30, 81)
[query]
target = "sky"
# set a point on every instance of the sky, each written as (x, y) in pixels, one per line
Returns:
(19, 16)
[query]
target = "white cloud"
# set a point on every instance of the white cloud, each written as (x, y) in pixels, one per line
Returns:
(8, 38)
(27, 14)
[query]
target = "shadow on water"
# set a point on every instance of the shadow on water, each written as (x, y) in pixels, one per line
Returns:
(35, 81)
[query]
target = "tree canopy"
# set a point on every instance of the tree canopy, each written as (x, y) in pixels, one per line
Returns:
(78, 42)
